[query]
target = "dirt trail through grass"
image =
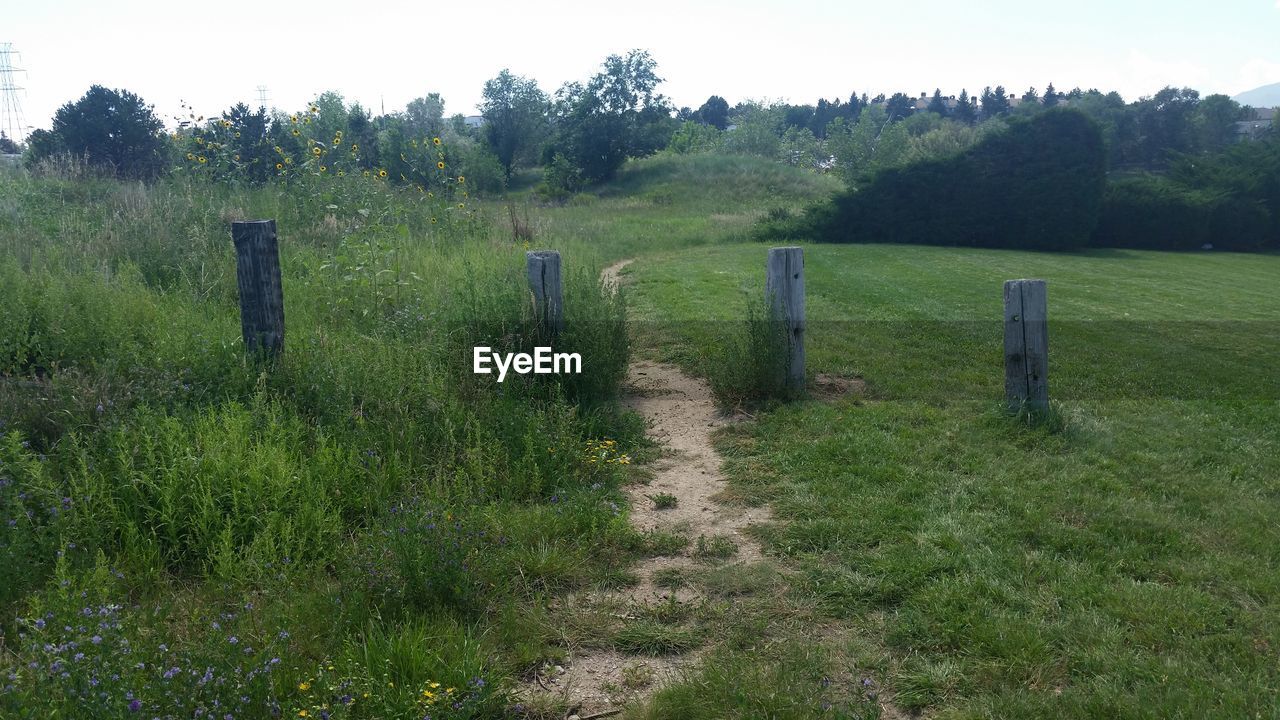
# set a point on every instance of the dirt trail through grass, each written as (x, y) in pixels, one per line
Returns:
(682, 415)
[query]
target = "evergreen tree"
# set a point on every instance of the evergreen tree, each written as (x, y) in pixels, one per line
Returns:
(1050, 96)
(937, 104)
(113, 130)
(994, 103)
(964, 111)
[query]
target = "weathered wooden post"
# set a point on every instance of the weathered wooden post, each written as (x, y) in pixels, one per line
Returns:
(784, 290)
(261, 295)
(544, 281)
(1026, 344)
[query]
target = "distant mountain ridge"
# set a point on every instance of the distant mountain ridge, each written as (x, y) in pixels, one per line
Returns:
(1264, 97)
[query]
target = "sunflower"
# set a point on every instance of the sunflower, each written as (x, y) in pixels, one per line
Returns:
(382, 173)
(316, 151)
(315, 109)
(237, 133)
(323, 168)
(440, 165)
(191, 156)
(366, 173)
(342, 173)
(337, 142)
(202, 159)
(279, 166)
(435, 141)
(296, 132)
(433, 221)
(288, 161)
(461, 205)
(462, 179)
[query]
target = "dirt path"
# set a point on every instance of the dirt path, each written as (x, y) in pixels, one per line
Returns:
(682, 415)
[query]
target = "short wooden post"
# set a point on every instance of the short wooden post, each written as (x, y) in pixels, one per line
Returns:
(261, 295)
(1026, 344)
(544, 281)
(784, 290)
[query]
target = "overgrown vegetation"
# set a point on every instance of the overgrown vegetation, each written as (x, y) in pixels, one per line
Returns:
(1035, 185)
(184, 530)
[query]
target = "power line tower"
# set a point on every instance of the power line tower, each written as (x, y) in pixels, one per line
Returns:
(263, 99)
(12, 123)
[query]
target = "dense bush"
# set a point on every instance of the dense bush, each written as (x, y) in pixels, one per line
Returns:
(1158, 214)
(1037, 185)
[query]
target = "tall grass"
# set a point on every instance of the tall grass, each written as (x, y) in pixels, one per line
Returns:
(368, 464)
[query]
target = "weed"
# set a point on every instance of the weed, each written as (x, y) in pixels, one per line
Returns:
(718, 547)
(664, 501)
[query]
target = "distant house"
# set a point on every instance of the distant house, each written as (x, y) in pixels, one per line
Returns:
(1263, 120)
(474, 121)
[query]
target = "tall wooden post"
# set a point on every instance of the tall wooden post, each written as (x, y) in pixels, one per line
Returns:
(548, 297)
(1026, 344)
(784, 290)
(261, 295)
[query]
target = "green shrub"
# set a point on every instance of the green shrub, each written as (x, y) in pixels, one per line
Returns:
(1155, 213)
(751, 363)
(1036, 185)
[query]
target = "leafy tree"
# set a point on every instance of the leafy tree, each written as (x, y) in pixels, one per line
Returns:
(758, 130)
(796, 116)
(7, 145)
(514, 110)
(615, 115)
(964, 111)
(1031, 96)
(424, 116)
(113, 130)
(714, 112)
(1165, 123)
(900, 107)
(937, 105)
(1215, 121)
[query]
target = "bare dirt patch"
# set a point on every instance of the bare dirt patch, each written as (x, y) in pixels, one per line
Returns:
(682, 417)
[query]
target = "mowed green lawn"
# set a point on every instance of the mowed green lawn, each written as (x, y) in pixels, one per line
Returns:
(1123, 562)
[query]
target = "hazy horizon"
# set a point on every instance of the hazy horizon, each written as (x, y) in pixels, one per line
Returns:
(759, 49)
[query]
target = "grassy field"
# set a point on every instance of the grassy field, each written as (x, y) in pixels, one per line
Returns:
(1120, 563)
(335, 534)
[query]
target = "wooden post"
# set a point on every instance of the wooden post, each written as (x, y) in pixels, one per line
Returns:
(1026, 344)
(784, 290)
(544, 281)
(261, 295)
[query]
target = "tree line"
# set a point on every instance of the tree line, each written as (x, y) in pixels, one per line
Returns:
(584, 131)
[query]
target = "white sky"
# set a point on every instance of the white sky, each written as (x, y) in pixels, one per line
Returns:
(213, 54)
